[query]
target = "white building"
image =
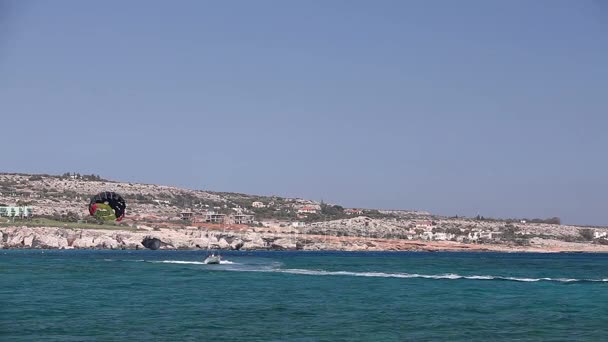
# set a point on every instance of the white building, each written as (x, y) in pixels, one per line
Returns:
(242, 219)
(258, 205)
(16, 211)
(212, 217)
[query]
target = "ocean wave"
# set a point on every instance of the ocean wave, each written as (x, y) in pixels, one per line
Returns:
(447, 276)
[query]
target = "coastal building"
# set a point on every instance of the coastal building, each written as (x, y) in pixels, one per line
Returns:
(353, 211)
(598, 235)
(242, 219)
(186, 215)
(16, 211)
(476, 235)
(487, 235)
(440, 236)
(437, 236)
(298, 224)
(213, 217)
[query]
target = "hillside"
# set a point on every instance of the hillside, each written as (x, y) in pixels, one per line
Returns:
(68, 195)
(256, 222)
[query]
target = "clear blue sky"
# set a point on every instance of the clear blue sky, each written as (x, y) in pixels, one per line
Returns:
(457, 107)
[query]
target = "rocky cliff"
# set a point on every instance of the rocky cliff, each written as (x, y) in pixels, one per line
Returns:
(65, 238)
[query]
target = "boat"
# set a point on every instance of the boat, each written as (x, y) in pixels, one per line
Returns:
(212, 259)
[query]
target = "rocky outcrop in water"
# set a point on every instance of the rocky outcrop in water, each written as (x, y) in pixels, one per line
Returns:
(151, 243)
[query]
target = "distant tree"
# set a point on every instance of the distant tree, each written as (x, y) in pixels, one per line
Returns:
(71, 217)
(453, 230)
(586, 234)
(331, 210)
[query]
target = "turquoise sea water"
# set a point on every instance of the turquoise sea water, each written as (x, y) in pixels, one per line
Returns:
(302, 296)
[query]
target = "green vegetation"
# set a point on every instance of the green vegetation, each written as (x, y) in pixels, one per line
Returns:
(375, 214)
(75, 175)
(47, 222)
(586, 234)
(332, 212)
(509, 233)
(551, 220)
(273, 213)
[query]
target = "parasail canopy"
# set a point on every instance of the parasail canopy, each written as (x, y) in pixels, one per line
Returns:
(107, 206)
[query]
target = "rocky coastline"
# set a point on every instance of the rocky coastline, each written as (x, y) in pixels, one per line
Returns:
(22, 237)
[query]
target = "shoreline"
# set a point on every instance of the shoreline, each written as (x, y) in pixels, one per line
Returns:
(54, 238)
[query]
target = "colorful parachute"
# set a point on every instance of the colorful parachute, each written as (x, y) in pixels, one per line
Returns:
(107, 206)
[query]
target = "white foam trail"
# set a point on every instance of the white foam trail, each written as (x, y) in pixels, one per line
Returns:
(448, 276)
(180, 262)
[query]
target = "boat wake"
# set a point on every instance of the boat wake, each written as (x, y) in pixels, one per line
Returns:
(178, 262)
(447, 276)
(275, 267)
(222, 262)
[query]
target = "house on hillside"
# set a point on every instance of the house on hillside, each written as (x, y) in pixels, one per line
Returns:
(258, 204)
(353, 211)
(242, 219)
(477, 235)
(186, 215)
(424, 224)
(213, 217)
(307, 209)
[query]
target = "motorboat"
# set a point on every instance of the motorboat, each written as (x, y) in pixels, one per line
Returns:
(212, 259)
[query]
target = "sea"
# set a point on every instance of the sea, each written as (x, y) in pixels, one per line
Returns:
(102, 295)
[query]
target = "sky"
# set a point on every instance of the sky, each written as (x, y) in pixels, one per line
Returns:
(497, 108)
